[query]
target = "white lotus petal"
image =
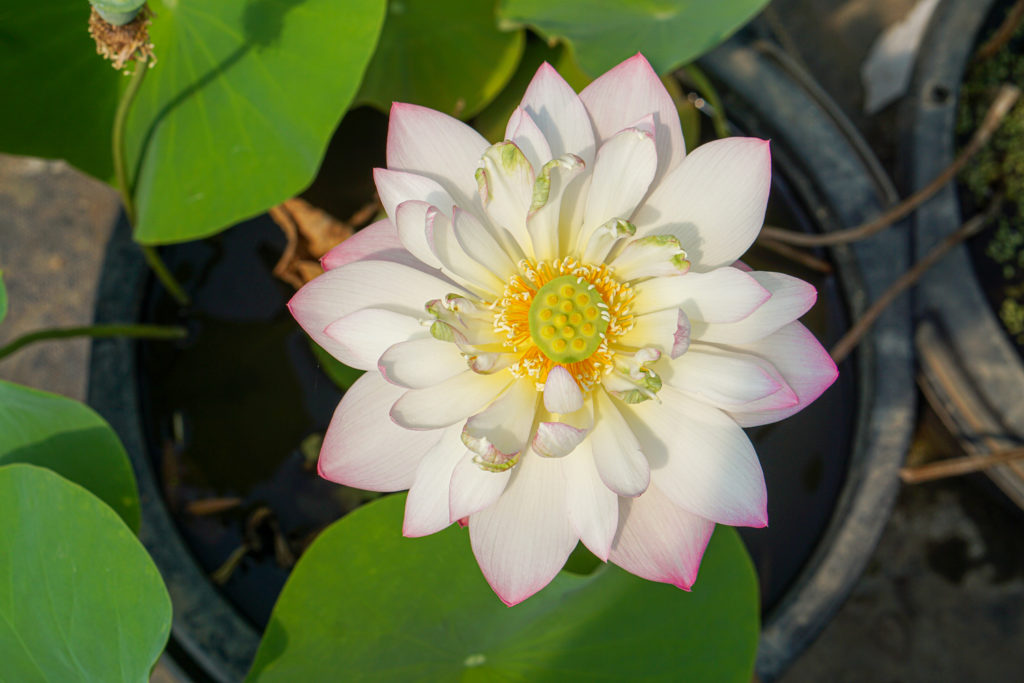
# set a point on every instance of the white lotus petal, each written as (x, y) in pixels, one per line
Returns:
(660, 541)
(726, 378)
(700, 458)
(713, 201)
(395, 187)
(454, 260)
(527, 135)
(790, 299)
(656, 329)
(524, 539)
(474, 488)
(421, 363)
(557, 110)
(504, 425)
(364, 448)
(550, 207)
(448, 402)
(593, 508)
(723, 295)
(481, 246)
(361, 337)
(505, 181)
(561, 392)
(617, 456)
(410, 219)
(426, 508)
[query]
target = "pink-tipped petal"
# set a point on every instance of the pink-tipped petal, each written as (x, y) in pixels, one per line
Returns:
(561, 392)
(660, 541)
(377, 242)
(593, 508)
(723, 295)
(623, 171)
(629, 91)
(523, 131)
(524, 538)
(700, 458)
(557, 439)
(473, 488)
(557, 110)
(363, 448)
(421, 363)
(617, 456)
(364, 335)
(395, 187)
(802, 362)
(363, 284)
(790, 299)
(713, 201)
(435, 145)
(449, 402)
(426, 508)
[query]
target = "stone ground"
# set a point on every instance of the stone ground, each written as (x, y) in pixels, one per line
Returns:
(943, 598)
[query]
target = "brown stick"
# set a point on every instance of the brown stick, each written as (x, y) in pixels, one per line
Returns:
(1001, 106)
(801, 257)
(1002, 34)
(853, 336)
(955, 467)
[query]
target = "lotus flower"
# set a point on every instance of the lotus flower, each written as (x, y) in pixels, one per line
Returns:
(560, 343)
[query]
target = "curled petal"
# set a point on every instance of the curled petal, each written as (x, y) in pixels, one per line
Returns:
(555, 438)
(410, 219)
(364, 448)
(651, 256)
(395, 187)
(524, 538)
(527, 135)
(420, 363)
(505, 181)
(658, 329)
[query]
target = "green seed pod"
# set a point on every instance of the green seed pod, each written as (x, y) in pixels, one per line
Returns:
(117, 12)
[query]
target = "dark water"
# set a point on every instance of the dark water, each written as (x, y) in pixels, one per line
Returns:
(234, 412)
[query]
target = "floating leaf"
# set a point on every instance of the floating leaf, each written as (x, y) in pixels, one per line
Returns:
(670, 33)
(364, 599)
(60, 95)
(69, 438)
(444, 54)
(82, 601)
(237, 112)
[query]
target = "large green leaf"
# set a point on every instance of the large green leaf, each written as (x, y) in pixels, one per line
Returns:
(670, 33)
(443, 54)
(59, 96)
(69, 438)
(236, 114)
(365, 601)
(80, 599)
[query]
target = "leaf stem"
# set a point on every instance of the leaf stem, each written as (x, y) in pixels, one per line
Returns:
(708, 92)
(95, 332)
(124, 106)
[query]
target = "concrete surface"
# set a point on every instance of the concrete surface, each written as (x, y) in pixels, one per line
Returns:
(943, 599)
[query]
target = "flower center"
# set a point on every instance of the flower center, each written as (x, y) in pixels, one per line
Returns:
(568, 319)
(541, 319)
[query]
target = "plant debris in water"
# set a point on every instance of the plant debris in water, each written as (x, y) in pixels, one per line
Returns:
(998, 168)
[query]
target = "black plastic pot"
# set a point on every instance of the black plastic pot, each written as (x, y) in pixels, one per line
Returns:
(846, 478)
(968, 362)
